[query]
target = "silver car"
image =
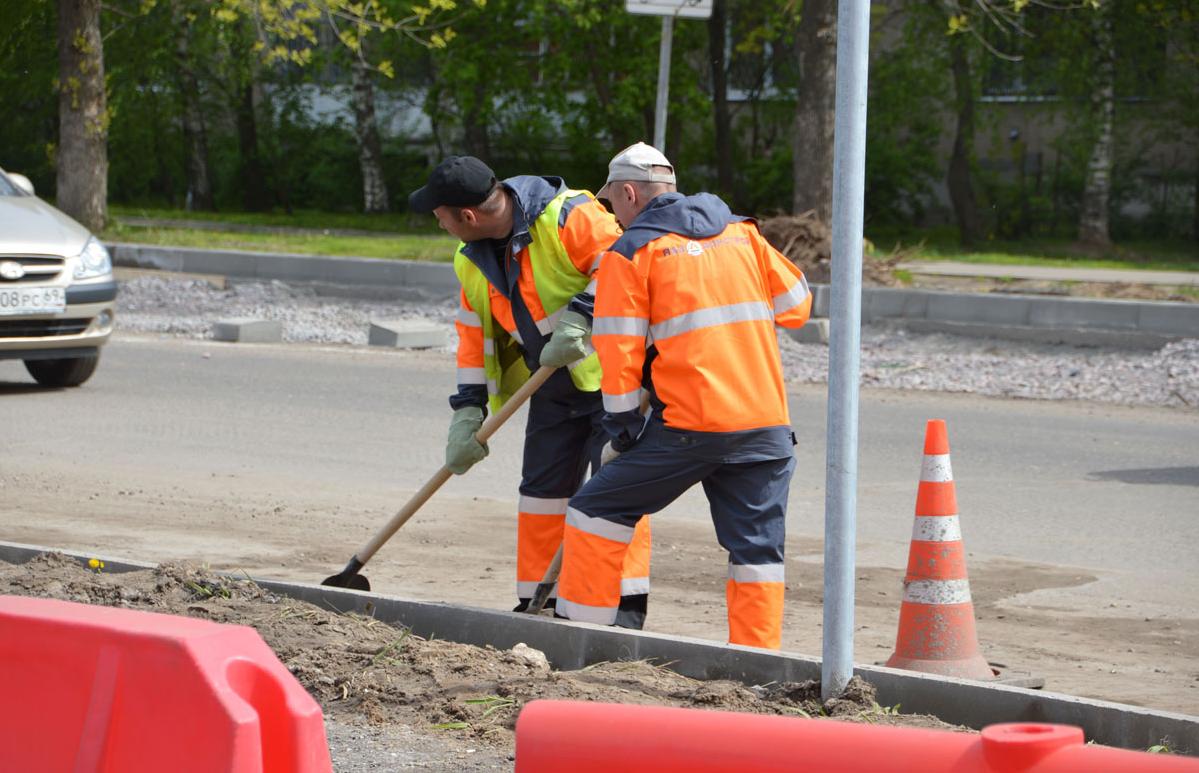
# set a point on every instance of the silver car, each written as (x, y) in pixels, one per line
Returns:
(57, 291)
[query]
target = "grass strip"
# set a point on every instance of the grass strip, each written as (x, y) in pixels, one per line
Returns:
(400, 247)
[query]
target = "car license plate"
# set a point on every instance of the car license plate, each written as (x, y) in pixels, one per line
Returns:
(32, 300)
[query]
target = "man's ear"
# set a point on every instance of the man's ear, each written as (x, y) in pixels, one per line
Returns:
(470, 217)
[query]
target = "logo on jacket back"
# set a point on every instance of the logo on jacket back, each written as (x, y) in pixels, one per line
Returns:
(10, 269)
(693, 247)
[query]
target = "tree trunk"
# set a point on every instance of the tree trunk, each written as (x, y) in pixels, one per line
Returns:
(370, 149)
(254, 190)
(1093, 221)
(195, 135)
(816, 109)
(961, 186)
(717, 32)
(82, 178)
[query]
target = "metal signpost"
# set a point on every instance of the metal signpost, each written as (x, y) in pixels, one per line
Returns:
(845, 307)
(845, 312)
(668, 10)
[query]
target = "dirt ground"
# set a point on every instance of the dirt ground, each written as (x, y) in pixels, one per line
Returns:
(367, 673)
(461, 550)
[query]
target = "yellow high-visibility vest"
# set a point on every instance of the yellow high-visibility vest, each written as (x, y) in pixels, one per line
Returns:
(557, 281)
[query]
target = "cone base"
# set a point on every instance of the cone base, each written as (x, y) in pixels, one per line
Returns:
(965, 668)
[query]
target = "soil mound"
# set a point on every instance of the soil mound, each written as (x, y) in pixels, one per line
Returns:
(358, 667)
(808, 243)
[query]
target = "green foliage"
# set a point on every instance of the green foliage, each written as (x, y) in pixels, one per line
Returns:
(557, 86)
(768, 180)
(903, 129)
(28, 73)
(145, 145)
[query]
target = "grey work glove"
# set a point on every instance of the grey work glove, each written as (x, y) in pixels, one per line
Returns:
(568, 342)
(462, 451)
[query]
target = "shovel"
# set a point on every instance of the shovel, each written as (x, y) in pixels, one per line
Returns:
(546, 586)
(350, 577)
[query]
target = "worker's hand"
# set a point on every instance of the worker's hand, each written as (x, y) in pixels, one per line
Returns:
(608, 453)
(463, 451)
(569, 341)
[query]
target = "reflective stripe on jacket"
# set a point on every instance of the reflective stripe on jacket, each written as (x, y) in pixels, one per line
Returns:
(696, 292)
(549, 262)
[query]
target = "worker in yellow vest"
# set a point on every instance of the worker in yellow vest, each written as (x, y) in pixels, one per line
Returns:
(529, 248)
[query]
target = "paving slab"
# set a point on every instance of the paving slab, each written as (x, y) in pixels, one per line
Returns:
(248, 331)
(406, 334)
(814, 331)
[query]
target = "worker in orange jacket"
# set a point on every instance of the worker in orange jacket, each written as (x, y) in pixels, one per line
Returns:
(685, 308)
(530, 246)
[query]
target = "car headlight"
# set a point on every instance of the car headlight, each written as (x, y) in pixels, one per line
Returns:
(93, 261)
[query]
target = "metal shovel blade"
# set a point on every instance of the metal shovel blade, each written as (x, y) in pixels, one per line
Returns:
(349, 577)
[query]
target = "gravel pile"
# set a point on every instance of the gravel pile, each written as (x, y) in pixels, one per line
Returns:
(892, 357)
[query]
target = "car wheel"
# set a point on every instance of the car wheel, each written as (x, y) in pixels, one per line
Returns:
(66, 372)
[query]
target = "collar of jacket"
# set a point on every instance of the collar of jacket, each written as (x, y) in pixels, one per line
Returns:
(700, 216)
(530, 196)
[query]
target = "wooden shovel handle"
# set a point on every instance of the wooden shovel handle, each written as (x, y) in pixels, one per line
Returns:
(439, 478)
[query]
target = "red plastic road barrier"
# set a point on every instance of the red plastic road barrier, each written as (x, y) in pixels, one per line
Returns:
(583, 737)
(89, 688)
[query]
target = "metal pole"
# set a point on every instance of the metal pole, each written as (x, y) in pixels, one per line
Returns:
(663, 83)
(845, 312)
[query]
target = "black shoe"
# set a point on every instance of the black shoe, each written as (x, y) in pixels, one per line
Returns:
(632, 610)
(523, 606)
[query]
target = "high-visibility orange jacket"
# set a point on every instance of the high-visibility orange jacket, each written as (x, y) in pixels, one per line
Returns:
(686, 307)
(563, 232)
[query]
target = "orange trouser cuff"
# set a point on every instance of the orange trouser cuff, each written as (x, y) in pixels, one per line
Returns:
(755, 613)
(590, 580)
(537, 539)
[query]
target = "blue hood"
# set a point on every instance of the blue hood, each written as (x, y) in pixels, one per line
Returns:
(700, 216)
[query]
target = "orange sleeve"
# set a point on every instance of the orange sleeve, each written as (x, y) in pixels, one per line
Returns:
(587, 230)
(789, 291)
(472, 377)
(622, 312)
(470, 340)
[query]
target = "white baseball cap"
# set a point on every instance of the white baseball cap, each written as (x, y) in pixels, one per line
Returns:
(636, 164)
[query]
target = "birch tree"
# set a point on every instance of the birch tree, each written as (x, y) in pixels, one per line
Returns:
(1093, 229)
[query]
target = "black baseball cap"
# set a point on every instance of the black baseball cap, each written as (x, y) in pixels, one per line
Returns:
(459, 181)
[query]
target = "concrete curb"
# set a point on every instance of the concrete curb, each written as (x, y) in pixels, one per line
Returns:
(1022, 317)
(1054, 273)
(572, 646)
(360, 277)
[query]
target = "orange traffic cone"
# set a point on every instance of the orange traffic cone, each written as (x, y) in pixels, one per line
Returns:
(936, 620)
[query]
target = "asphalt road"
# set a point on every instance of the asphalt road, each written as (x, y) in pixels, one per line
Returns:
(1109, 489)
